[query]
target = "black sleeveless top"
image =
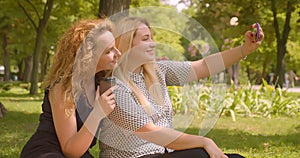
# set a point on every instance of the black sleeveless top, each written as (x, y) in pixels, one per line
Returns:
(44, 142)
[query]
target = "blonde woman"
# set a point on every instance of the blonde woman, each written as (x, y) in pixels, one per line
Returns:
(69, 120)
(141, 123)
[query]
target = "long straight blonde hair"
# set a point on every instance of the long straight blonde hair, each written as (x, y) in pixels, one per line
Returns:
(124, 34)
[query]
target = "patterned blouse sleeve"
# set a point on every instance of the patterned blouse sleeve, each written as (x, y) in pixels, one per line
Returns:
(176, 73)
(128, 114)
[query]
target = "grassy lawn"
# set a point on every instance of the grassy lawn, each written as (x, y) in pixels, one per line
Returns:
(259, 137)
(252, 137)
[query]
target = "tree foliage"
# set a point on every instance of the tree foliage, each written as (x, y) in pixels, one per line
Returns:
(280, 30)
(109, 8)
(39, 22)
(21, 20)
(19, 33)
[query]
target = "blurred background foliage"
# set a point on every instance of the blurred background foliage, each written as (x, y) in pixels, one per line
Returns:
(280, 20)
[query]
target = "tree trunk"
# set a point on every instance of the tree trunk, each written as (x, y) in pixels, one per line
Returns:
(281, 39)
(36, 61)
(108, 8)
(21, 70)
(28, 68)
(280, 65)
(46, 64)
(43, 62)
(6, 59)
(38, 44)
(3, 111)
(265, 64)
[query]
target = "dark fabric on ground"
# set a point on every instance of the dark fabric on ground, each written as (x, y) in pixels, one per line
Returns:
(189, 153)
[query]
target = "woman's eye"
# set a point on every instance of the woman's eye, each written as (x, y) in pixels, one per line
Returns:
(109, 50)
(145, 38)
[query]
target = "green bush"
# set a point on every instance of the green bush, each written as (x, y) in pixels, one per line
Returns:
(266, 101)
(6, 86)
(25, 86)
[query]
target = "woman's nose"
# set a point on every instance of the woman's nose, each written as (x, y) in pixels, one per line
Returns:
(117, 52)
(152, 44)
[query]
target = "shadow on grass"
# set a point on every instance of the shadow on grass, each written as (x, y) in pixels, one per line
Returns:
(19, 122)
(16, 129)
(20, 95)
(24, 101)
(243, 141)
(12, 94)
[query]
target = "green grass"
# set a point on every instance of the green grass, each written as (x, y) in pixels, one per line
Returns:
(252, 137)
(19, 123)
(259, 137)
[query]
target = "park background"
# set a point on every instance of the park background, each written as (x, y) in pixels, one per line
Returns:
(262, 108)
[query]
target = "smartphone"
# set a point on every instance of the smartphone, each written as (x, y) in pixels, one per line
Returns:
(105, 83)
(257, 27)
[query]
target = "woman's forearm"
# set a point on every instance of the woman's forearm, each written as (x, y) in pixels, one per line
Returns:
(176, 140)
(170, 138)
(234, 55)
(81, 141)
(218, 62)
(187, 141)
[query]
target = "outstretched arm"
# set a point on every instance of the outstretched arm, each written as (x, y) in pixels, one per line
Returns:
(222, 60)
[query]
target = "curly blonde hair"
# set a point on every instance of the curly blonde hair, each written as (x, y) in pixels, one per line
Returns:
(61, 70)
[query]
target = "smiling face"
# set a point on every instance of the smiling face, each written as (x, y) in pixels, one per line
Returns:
(110, 53)
(143, 46)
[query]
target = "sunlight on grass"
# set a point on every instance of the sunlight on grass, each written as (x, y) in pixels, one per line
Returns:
(259, 137)
(263, 126)
(19, 123)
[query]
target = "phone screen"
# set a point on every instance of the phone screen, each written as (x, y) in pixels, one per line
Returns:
(105, 83)
(257, 31)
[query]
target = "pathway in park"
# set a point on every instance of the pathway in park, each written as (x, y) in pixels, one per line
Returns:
(294, 89)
